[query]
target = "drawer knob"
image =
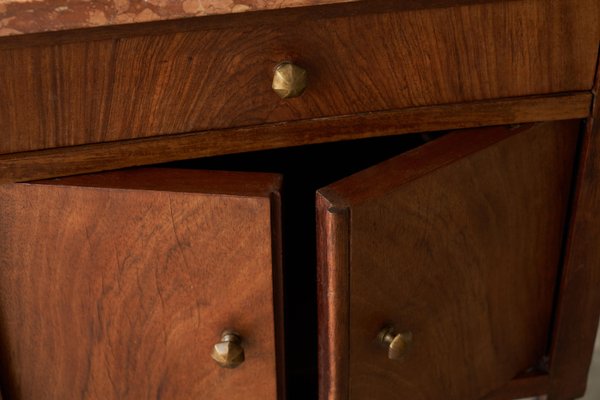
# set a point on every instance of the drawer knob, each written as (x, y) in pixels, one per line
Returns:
(229, 353)
(289, 80)
(397, 344)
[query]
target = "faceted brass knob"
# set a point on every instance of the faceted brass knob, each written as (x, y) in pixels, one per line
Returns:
(289, 80)
(228, 353)
(397, 344)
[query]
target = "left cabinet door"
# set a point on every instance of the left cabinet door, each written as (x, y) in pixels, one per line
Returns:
(119, 285)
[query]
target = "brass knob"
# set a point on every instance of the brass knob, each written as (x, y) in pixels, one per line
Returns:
(398, 344)
(228, 353)
(289, 80)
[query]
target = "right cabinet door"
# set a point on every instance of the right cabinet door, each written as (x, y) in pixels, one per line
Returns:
(452, 250)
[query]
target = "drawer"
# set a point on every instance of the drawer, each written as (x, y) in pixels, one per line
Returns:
(118, 286)
(438, 268)
(213, 73)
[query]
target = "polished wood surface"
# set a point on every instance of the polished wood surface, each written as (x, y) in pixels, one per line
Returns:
(333, 293)
(92, 158)
(578, 309)
(117, 286)
(157, 83)
(458, 241)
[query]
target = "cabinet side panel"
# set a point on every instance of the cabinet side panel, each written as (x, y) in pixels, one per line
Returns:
(579, 300)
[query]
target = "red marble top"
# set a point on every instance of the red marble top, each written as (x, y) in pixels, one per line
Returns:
(30, 16)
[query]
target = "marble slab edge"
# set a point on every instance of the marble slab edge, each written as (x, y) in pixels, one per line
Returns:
(18, 17)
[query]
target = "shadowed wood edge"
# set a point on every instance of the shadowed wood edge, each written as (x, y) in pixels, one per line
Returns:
(247, 184)
(416, 163)
(278, 294)
(43, 164)
(578, 307)
(333, 299)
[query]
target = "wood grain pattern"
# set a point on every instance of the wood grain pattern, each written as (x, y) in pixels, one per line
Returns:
(219, 77)
(463, 250)
(92, 158)
(578, 310)
(116, 292)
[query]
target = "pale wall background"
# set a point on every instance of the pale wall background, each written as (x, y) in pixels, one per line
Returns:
(593, 390)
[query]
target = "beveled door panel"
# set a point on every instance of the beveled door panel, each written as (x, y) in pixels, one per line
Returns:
(457, 242)
(117, 285)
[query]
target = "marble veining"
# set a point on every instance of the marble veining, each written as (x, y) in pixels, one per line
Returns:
(31, 16)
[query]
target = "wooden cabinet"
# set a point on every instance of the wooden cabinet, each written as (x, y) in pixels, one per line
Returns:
(128, 278)
(421, 223)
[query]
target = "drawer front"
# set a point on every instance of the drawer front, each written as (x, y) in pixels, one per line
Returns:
(118, 285)
(219, 74)
(452, 250)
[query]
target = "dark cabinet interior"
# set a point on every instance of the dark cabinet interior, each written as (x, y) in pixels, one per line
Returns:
(306, 169)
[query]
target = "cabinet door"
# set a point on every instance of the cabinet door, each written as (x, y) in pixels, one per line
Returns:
(456, 243)
(118, 285)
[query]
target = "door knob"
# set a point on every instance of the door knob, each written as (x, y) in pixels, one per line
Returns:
(398, 344)
(228, 353)
(289, 80)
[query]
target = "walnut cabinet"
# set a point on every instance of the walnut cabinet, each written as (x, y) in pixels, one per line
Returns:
(415, 215)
